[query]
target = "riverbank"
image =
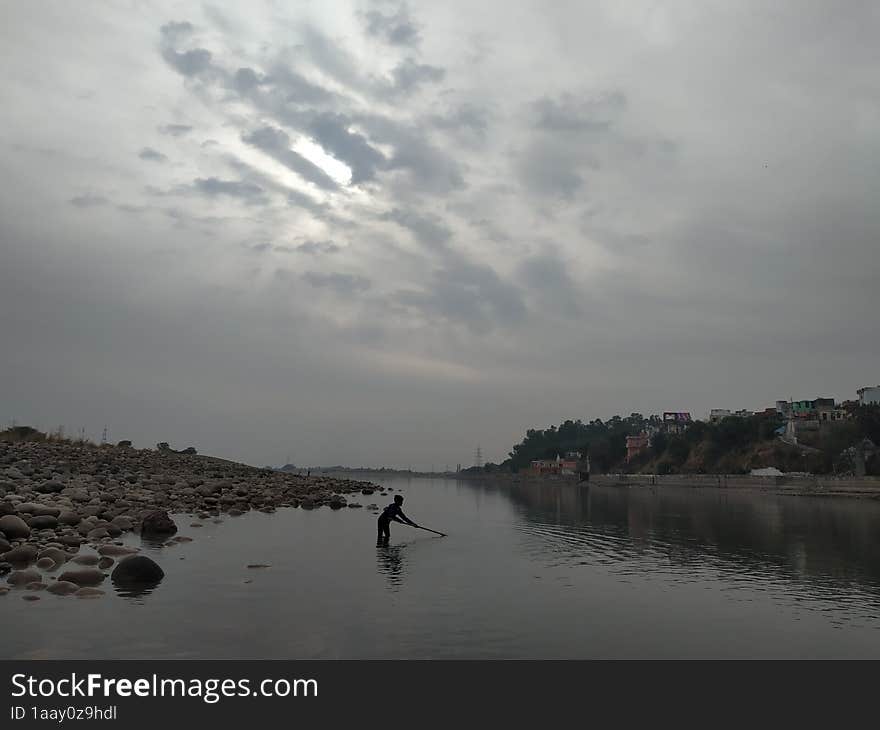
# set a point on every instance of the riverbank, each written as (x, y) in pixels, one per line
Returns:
(792, 485)
(64, 506)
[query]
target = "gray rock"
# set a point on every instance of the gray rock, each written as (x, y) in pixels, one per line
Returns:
(41, 510)
(62, 587)
(56, 555)
(5, 568)
(14, 527)
(68, 517)
(157, 522)
(37, 585)
(21, 555)
(83, 576)
(136, 571)
(104, 563)
(116, 550)
(43, 522)
(85, 559)
(4, 546)
(23, 577)
(50, 487)
(31, 597)
(45, 563)
(89, 593)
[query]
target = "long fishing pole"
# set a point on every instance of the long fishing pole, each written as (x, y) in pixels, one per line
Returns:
(442, 534)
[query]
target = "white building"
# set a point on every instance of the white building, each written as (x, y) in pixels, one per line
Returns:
(869, 396)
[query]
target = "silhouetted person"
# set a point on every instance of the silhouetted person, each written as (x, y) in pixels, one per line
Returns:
(395, 513)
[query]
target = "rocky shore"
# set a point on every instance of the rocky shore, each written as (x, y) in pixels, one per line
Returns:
(64, 508)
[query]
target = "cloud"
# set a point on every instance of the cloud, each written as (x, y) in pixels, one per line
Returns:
(342, 284)
(429, 230)
(148, 153)
(213, 186)
(88, 200)
(548, 276)
(318, 247)
(470, 294)
(333, 133)
(276, 143)
(175, 130)
(398, 29)
(570, 113)
(187, 63)
(409, 75)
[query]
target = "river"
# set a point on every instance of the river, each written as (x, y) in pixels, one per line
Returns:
(527, 571)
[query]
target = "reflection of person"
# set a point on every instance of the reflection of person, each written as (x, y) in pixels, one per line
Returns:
(390, 559)
(392, 512)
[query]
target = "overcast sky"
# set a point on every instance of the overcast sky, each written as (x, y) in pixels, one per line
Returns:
(379, 233)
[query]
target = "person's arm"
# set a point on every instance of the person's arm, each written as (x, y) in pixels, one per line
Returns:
(406, 520)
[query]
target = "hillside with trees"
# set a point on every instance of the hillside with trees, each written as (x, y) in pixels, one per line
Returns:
(735, 445)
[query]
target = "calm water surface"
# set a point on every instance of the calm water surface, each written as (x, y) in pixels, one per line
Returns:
(528, 571)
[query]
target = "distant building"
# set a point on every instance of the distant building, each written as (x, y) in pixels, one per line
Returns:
(676, 422)
(544, 467)
(635, 445)
(716, 415)
(869, 396)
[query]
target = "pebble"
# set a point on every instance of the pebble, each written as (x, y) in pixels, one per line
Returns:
(88, 593)
(31, 597)
(62, 587)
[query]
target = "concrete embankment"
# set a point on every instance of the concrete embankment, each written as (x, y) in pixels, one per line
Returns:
(797, 485)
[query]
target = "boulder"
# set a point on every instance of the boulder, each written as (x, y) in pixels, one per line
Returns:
(14, 527)
(157, 522)
(83, 576)
(136, 571)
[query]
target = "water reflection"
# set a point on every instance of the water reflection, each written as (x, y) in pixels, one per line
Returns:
(390, 563)
(746, 534)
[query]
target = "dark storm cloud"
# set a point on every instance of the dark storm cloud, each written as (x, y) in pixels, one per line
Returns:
(88, 200)
(332, 132)
(276, 143)
(429, 230)
(341, 284)
(148, 153)
(175, 130)
(398, 28)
